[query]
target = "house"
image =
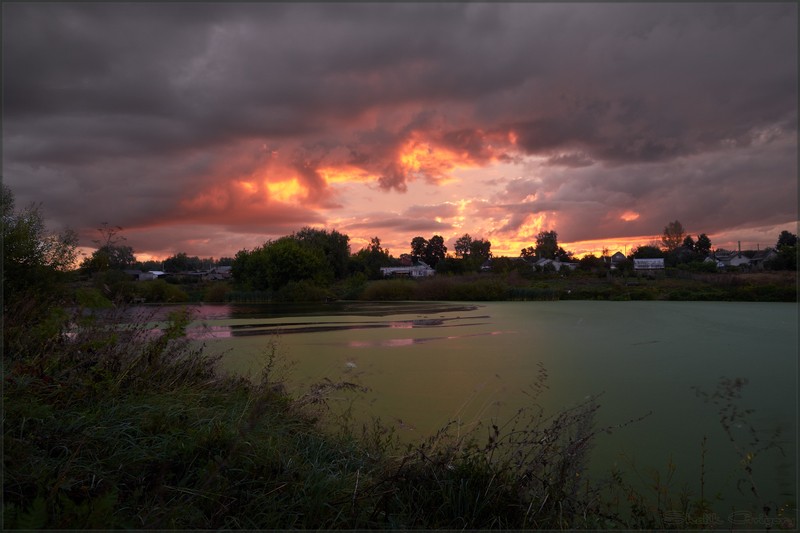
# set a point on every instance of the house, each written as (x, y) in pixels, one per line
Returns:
(616, 259)
(138, 275)
(545, 264)
(648, 264)
(419, 270)
(731, 259)
(219, 273)
(761, 257)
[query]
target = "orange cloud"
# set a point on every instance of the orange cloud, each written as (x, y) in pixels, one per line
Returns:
(629, 216)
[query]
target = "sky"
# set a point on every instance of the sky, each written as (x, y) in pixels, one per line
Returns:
(207, 128)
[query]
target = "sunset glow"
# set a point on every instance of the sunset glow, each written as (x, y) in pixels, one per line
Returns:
(251, 121)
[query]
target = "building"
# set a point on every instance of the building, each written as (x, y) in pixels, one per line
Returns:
(419, 270)
(648, 264)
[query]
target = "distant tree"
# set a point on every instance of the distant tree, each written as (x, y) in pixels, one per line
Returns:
(530, 251)
(591, 263)
(689, 243)
(435, 251)
(462, 245)
(180, 262)
(481, 250)
(647, 252)
(225, 261)
(371, 259)
(546, 244)
(288, 260)
(110, 254)
(34, 258)
(703, 245)
(334, 246)
(418, 247)
(786, 238)
(148, 265)
(673, 235)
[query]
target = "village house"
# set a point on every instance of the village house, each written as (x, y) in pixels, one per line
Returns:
(545, 264)
(418, 270)
(218, 273)
(648, 265)
(727, 259)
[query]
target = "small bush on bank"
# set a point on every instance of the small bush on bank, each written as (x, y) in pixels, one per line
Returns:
(389, 290)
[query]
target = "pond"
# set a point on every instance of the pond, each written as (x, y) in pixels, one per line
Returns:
(428, 363)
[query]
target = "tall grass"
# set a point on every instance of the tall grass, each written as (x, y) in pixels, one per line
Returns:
(114, 421)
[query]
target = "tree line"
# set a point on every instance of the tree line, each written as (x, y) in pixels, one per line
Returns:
(310, 257)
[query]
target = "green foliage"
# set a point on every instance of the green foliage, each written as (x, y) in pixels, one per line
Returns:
(216, 292)
(389, 290)
(546, 244)
(673, 235)
(34, 259)
(160, 291)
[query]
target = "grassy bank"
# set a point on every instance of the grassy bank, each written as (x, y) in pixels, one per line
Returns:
(109, 424)
(674, 285)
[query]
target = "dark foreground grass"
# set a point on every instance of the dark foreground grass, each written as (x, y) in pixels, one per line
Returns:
(110, 425)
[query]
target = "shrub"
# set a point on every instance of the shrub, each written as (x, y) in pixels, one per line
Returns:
(216, 292)
(389, 290)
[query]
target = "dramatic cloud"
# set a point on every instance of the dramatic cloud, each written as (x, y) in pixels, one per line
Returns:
(247, 121)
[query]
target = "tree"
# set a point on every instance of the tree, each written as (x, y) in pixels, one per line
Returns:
(703, 245)
(480, 250)
(33, 257)
(109, 255)
(647, 252)
(371, 258)
(546, 244)
(418, 247)
(530, 251)
(786, 239)
(673, 235)
(689, 243)
(435, 251)
(334, 246)
(462, 245)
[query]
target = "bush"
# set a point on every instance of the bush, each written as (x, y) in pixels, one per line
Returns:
(301, 291)
(389, 290)
(216, 292)
(160, 291)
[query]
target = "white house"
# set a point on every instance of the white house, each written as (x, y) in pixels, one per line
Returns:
(420, 270)
(556, 264)
(648, 264)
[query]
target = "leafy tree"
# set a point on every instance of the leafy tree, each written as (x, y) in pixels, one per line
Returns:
(34, 258)
(787, 252)
(530, 251)
(647, 252)
(673, 235)
(110, 255)
(481, 250)
(181, 262)
(463, 245)
(703, 245)
(36, 263)
(786, 238)
(689, 243)
(418, 247)
(591, 263)
(435, 251)
(334, 246)
(371, 258)
(288, 260)
(546, 244)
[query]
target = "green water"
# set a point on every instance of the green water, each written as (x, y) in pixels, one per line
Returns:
(426, 364)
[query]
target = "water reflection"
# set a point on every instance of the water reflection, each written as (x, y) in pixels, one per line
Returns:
(395, 343)
(284, 328)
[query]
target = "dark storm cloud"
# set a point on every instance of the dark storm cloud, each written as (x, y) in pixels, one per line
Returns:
(152, 102)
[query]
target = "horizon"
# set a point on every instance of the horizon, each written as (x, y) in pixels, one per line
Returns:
(212, 128)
